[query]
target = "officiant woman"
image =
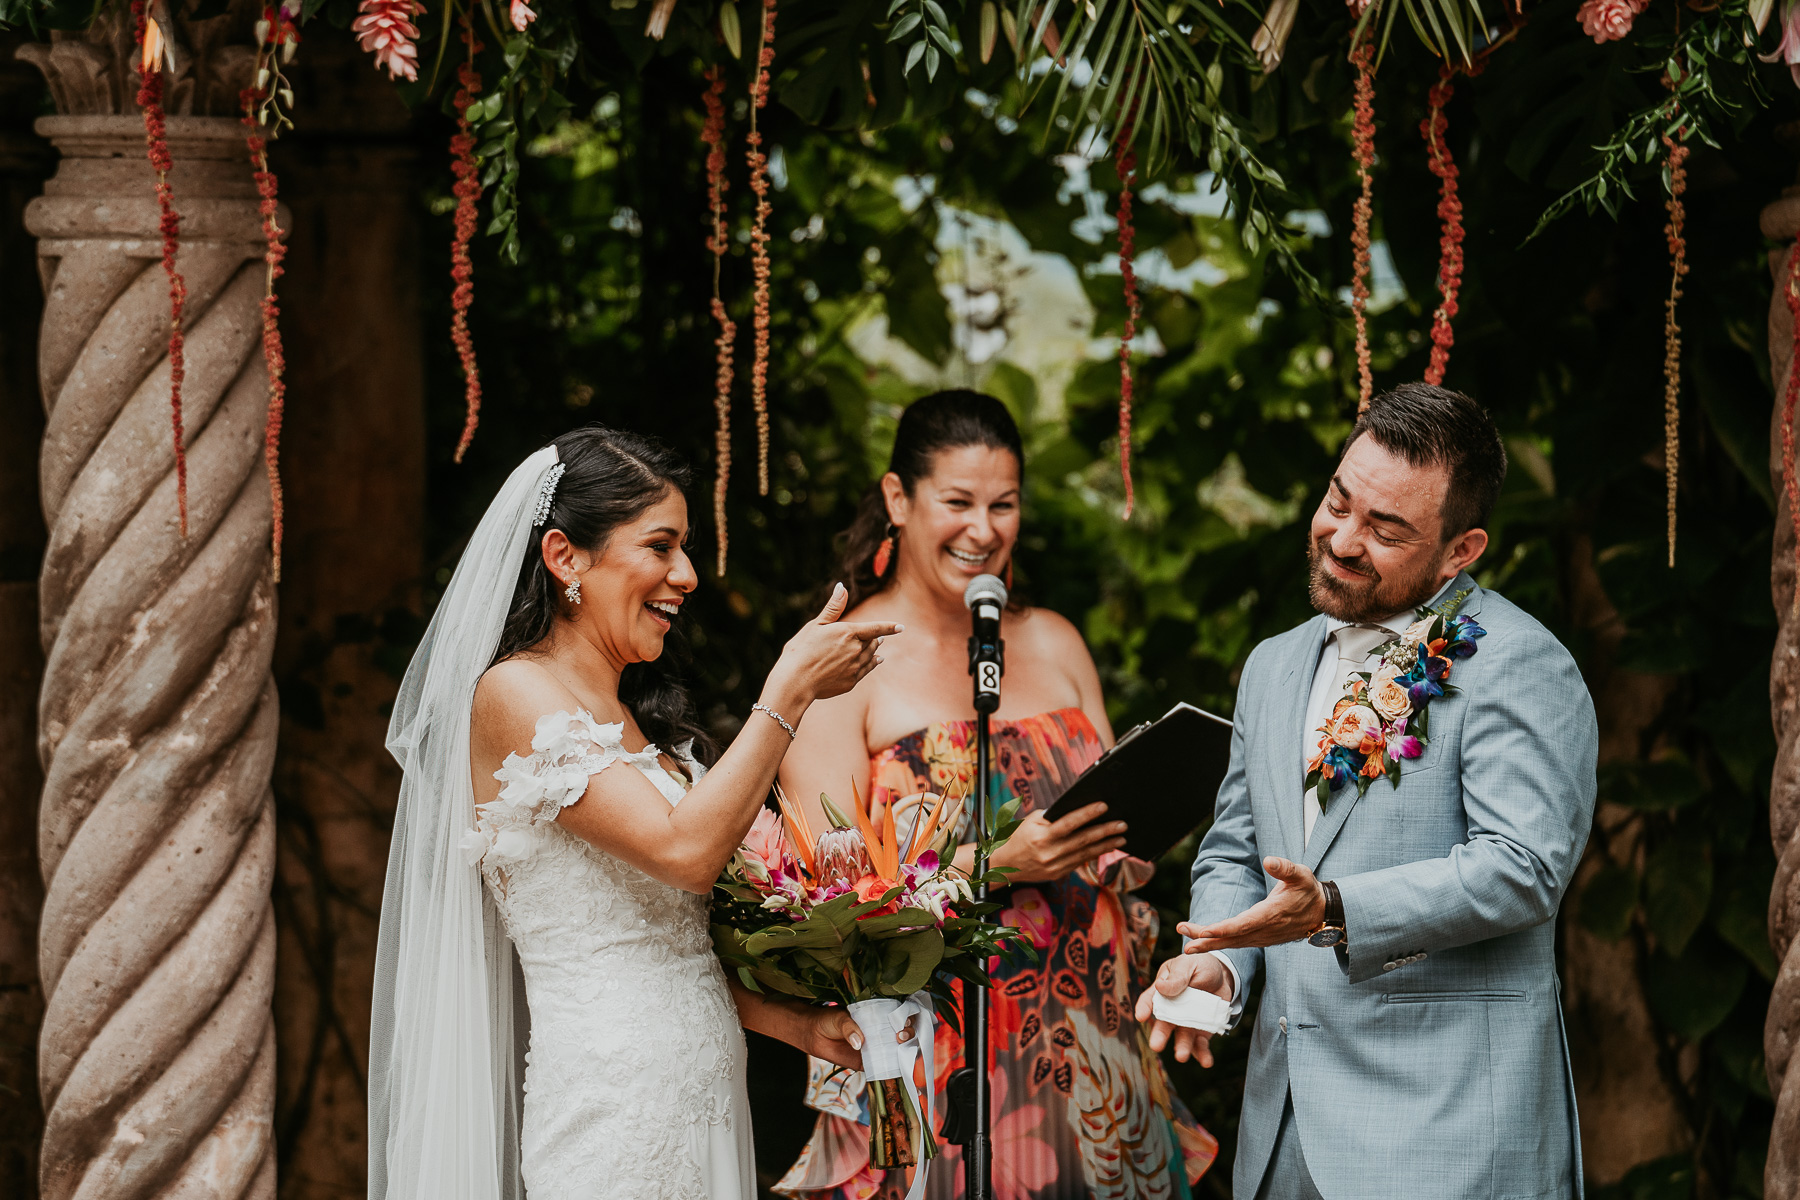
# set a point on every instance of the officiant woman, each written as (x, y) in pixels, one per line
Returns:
(1063, 1037)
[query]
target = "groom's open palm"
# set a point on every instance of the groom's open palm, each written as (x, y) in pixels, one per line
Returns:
(1292, 910)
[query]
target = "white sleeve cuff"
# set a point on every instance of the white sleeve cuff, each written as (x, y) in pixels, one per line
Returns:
(1237, 986)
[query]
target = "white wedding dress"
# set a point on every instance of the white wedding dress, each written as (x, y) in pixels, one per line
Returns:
(634, 1080)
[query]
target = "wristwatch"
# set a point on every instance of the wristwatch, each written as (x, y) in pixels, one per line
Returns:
(1331, 930)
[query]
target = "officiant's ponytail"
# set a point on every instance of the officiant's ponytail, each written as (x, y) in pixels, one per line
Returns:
(945, 420)
(610, 477)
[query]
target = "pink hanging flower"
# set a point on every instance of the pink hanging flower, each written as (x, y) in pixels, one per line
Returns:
(1609, 20)
(384, 31)
(521, 16)
(1789, 49)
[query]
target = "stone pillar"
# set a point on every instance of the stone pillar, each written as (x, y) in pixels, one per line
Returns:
(1781, 221)
(24, 161)
(157, 718)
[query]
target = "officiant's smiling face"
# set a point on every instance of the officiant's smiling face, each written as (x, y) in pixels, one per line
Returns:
(961, 520)
(1378, 545)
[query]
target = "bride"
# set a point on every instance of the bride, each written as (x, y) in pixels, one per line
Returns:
(555, 806)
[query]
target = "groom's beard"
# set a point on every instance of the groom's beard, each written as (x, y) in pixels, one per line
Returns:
(1373, 597)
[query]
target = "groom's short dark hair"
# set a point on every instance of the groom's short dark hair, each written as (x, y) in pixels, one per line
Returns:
(1434, 426)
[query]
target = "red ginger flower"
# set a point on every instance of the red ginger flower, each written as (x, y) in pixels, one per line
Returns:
(1609, 20)
(384, 30)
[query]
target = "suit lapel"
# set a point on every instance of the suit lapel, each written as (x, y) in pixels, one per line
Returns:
(1332, 820)
(1287, 776)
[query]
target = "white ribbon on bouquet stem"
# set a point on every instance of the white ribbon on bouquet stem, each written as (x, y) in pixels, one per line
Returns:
(884, 1058)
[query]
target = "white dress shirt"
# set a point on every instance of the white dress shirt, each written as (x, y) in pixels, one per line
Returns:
(1326, 688)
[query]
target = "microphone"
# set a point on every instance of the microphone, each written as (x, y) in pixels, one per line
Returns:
(985, 597)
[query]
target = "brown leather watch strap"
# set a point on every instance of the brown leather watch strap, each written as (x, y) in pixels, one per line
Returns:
(1334, 905)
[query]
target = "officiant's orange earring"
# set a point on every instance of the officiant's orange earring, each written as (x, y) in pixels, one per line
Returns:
(884, 553)
(1009, 574)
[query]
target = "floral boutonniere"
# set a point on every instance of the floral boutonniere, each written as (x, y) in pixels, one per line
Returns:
(1382, 716)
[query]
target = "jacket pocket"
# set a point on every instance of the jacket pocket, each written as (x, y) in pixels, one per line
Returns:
(1453, 997)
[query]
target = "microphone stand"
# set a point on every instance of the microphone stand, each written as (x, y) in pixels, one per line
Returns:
(987, 663)
(978, 1161)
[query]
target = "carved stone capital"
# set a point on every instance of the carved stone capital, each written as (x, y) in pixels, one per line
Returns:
(94, 72)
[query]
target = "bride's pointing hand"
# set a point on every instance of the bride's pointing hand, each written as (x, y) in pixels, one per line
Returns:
(828, 656)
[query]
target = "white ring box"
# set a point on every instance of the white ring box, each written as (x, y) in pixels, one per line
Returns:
(1194, 1009)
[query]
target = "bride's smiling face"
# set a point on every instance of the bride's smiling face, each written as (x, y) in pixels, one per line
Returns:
(633, 590)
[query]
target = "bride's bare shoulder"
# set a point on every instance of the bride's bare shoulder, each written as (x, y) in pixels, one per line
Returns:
(511, 696)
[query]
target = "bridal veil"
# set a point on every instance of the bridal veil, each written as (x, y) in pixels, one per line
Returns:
(448, 1022)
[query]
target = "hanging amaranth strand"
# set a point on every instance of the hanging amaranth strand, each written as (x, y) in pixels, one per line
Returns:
(1363, 57)
(1450, 237)
(759, 246)
(1791, 293)
(149, 39)
(1678, 267)
(1125, 162)
(467, 190)
(713, 134)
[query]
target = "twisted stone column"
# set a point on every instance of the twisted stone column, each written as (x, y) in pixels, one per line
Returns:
(1781, 221)
(157, 717)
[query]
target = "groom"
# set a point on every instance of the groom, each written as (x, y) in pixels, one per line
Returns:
(1409, 1041)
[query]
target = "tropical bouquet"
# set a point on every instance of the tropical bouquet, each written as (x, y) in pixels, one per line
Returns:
(868, 914)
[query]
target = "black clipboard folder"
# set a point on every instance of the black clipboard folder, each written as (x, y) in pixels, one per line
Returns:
(1162, 779)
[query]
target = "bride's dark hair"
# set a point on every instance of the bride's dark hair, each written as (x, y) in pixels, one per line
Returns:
(610, 477)
(945, 420)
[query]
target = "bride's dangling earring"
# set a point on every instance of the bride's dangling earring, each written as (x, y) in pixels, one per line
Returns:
(573, 591)
(884, 553)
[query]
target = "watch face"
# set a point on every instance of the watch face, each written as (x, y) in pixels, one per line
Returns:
(1331, 935)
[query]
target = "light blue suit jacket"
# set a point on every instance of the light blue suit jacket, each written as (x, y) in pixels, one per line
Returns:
(1427, 1059)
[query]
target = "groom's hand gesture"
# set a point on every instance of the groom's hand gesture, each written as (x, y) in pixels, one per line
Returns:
(1177, 975)
(1293, 909)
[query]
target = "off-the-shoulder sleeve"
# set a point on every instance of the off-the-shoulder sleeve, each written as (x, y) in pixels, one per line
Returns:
(566, 749)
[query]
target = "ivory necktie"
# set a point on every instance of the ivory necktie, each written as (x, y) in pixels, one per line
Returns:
(1355, 646)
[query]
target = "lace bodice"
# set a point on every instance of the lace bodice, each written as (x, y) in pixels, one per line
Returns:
(634, 1083)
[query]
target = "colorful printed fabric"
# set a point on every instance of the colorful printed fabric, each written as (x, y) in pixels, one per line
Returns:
(1081, 1106)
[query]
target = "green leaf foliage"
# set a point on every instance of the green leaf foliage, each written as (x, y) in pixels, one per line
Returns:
(1678, 879)
(1608, 901)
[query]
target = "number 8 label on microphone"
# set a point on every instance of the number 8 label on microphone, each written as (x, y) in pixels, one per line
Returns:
(987, 678)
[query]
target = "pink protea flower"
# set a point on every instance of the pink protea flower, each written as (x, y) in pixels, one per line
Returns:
(1789, 49)
(1608, 20)
(521, 15)
(767, 841)
(384, 31)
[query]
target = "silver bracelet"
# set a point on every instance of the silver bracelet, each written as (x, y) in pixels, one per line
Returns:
(780, 720)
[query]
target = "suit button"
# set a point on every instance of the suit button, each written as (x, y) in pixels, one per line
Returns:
(1388, 966)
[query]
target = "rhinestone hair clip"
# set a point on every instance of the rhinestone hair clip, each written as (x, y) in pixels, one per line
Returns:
(547, 494)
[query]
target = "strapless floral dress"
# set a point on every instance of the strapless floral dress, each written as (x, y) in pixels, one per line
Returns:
(1081, 1106)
